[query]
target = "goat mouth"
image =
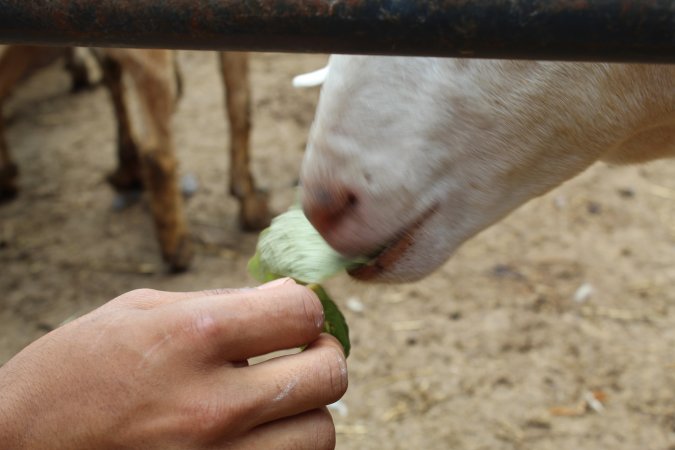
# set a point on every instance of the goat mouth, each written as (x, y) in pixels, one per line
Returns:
(387, 256)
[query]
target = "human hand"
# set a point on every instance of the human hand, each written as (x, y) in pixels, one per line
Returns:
(163, 370)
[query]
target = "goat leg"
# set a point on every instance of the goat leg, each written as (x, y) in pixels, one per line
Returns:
(77, 68)
(152, 73)
(253, 204)
(127, 176)
(16, 63)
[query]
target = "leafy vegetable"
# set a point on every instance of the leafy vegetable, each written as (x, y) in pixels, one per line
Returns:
(291, 247)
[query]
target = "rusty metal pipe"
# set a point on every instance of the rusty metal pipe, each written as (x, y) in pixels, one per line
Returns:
(583, 30)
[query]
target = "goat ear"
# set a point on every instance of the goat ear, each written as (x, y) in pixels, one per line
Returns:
(311, 79)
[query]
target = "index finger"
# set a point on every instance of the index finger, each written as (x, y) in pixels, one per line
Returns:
(151, 298)
(244, 324)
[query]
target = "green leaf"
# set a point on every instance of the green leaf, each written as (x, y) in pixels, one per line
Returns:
(291, 247)
(335, 322)
(259, 271)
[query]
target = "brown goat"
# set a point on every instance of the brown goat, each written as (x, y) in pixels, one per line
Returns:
(149, 161)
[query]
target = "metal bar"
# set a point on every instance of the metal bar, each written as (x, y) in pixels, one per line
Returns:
(583, 30)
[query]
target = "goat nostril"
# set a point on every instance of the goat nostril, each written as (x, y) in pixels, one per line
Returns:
(351, 199)
(326, 207)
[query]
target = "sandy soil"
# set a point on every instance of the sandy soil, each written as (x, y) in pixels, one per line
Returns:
(491, 352)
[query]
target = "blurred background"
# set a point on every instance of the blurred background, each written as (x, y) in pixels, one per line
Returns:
(554, 329)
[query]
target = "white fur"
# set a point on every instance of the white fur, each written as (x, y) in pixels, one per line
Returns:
(472, 140)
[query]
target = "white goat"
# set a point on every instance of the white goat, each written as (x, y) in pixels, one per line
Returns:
(417, 155)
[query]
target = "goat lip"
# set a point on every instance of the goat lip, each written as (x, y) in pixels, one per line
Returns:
(392, 252)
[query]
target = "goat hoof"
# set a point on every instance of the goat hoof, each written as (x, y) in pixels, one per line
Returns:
(180, 260)
(8, 193)
(124, 182)
(254, 214)
(8, 186)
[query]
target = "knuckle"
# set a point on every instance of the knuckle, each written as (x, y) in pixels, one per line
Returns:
(138, 298)
(200, 327)
(206, 418)
(202, 420)
(140, 294)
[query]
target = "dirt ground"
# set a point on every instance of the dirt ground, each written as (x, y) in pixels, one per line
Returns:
(492, 352)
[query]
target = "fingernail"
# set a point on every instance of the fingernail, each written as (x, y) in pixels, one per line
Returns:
(276, 283)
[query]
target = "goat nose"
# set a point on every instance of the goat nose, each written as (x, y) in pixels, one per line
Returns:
(326, 206)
